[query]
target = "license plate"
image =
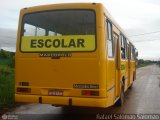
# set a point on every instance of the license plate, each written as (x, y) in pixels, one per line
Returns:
(55, 92)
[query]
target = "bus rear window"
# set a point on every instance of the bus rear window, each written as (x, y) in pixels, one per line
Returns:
(58, 30)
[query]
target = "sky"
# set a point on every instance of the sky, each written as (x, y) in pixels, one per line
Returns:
(140, 19)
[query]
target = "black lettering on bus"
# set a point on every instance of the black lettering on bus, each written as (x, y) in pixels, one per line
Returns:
(56, 43)
(40, 43)
(33, 43)
(72, 43)
(80, 43)
(48, 43)
(63, 45)
(41, 54)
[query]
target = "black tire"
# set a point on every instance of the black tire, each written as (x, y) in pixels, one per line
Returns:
(130, 87)
(66, 107)
(120, 101)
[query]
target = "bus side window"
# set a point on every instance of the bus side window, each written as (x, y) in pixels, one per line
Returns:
(123, 47)
(109, 39)
(127, 55)
(50, 33)
(133, 53)
(40, 31)
(30, 30)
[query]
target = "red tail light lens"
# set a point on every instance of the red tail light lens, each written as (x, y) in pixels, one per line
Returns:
(90, 93)
(24, 90)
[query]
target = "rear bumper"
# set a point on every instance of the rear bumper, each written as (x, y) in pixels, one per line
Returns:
(56, 100)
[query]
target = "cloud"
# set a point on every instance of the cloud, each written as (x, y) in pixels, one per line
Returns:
(137, 17)
(149, 49)
(10, 12)
(8, 38)
(134, 16)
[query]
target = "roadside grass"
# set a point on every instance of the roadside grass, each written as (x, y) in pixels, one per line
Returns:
(141, 65)
(6, 83)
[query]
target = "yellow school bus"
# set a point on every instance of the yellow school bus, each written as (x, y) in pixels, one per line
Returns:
(72, 55)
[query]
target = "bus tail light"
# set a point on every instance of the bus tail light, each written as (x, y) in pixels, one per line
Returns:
(90, 93)
(24, 90)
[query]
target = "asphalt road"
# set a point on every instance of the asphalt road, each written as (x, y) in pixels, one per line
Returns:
(143, 98)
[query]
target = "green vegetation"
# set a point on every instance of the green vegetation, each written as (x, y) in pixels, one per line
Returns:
(7, 63)
(143, 63)
(158, 63)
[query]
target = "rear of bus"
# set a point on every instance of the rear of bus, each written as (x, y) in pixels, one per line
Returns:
(59, 55)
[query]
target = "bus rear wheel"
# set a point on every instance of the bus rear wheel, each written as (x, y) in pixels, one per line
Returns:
(120, 101)
(130, 87)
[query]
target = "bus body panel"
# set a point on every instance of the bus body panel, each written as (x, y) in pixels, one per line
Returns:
(67, 74)
(83, 79)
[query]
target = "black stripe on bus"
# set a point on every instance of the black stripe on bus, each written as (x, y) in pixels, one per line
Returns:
(111, 88)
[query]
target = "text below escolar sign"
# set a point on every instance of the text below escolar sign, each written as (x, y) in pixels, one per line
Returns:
(58, 43)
